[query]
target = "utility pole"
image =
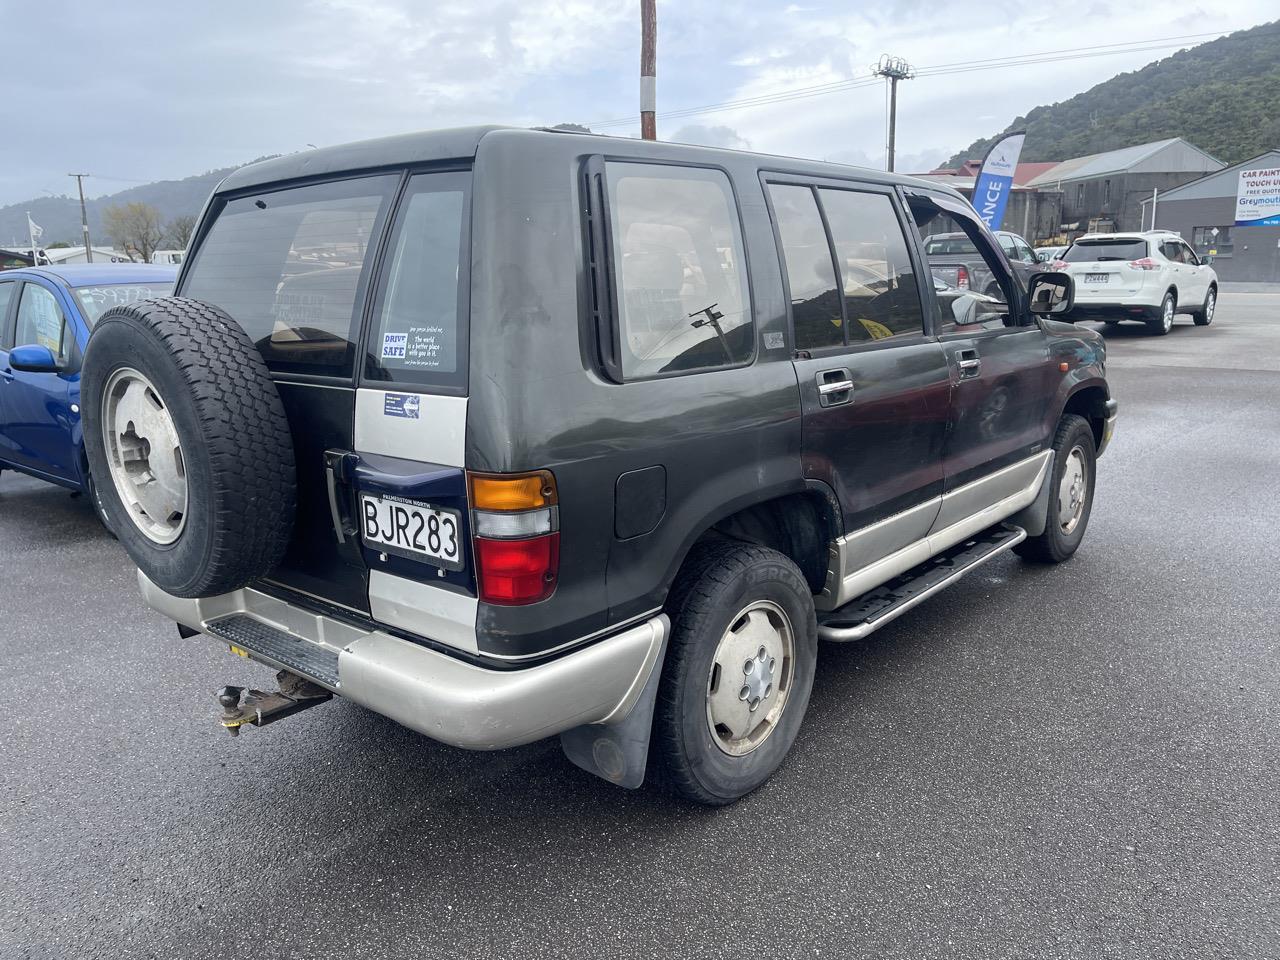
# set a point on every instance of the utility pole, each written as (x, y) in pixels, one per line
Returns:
(648, 70)
(84, 216)
(893, 69)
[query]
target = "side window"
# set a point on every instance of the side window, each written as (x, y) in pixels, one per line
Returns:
(1188, 255)
(419, 331)
(289, 267)
(680, 269)
(815, 303)
(881, 296)
(40, 321)
(6, 296)
(1007, 245)
(1025, 253)
(957, 306)
(1171, 250)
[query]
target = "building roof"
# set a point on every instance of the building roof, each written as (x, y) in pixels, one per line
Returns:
(1022, 173)
(1221, 183)
(92, 274)
(1174, 155)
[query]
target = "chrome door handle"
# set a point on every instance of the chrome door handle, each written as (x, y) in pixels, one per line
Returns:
(969, 363)
(834, 387)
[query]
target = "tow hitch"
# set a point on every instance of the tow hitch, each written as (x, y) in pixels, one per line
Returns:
(240, 706)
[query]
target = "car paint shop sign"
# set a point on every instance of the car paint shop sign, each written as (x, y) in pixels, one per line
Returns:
(1258, 197)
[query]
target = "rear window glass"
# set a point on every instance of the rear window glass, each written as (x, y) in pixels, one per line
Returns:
(419, 330)
(948, 245)
(682, 279)
(95, 301)
(1094, 250)
(288, 266)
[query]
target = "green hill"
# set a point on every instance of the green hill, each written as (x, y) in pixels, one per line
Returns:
(60, 216)
(1223, 96)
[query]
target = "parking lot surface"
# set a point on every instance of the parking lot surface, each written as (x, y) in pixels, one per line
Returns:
(1077, 761)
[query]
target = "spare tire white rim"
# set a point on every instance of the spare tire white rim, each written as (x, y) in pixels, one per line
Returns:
(145, 455)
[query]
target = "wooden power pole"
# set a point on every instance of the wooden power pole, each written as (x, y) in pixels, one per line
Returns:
(84, 217)
(648, 69)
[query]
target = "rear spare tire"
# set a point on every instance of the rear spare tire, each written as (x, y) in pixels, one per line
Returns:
(189, 444)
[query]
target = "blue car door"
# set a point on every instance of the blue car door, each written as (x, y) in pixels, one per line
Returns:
(39, 412)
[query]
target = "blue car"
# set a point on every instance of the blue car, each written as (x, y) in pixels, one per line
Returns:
(46, 314)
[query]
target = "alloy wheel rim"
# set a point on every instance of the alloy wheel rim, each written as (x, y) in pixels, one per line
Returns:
(1167, 315)
(144, 456)
(1210, 305)
(1073, 491)
(751, 678)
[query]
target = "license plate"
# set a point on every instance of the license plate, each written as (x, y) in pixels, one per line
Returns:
(410, 529)
(1097, 278)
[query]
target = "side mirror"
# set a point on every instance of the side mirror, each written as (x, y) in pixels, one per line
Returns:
(1050, 294)
(34, 358)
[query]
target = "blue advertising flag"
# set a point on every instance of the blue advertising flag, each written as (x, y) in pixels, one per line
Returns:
(995, 178)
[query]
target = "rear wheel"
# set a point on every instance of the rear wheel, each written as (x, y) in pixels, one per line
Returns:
(738, 671)
(1204, 316)
(1071, 480)
(1162, 322)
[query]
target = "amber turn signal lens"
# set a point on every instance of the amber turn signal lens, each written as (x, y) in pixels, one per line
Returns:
(512, 491)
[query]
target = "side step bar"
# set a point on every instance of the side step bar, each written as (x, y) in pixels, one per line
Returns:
(871, 611)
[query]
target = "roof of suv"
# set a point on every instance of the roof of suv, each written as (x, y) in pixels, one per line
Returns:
(453, 143)
(1129, 235)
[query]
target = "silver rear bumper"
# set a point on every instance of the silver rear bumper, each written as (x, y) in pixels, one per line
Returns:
(440, 696)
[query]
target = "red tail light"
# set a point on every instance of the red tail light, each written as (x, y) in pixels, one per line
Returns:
(962, 278)
(516, 524)
(1056, 266)
(517, 571)
(1146, 263)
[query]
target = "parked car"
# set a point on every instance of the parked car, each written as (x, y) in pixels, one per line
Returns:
(509, 434)
(1049, 254)
(954, 259)
(1150, 276)
(168, 257)
(46, 314)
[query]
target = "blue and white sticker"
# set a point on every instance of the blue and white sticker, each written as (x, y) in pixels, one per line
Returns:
(403, 405)
(394, 346)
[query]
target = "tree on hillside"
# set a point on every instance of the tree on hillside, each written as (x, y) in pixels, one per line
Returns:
(134, 228)
(178, 233)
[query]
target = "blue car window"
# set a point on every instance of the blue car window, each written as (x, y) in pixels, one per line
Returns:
(40, 321)
(6, 294)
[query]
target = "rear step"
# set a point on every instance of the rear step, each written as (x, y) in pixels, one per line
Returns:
(871, 611)
(284, 649)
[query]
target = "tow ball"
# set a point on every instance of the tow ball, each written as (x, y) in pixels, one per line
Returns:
(241, 706)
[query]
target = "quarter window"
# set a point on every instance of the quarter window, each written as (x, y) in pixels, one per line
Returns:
(881, 296)
(288, 266)
(680, 270)
(420, 330)
(816, 315)
(6, 295)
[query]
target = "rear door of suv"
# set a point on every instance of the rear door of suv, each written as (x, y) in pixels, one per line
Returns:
(874, 384)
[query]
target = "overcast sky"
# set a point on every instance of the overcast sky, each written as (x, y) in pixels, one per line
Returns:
(139, 91)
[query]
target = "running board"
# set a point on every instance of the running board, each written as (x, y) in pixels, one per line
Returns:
(871, 611)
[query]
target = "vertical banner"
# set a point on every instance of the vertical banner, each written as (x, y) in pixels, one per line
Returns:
(995, 178)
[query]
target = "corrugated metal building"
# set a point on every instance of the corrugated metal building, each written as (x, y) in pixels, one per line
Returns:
(1203, 211)
(1109, 192)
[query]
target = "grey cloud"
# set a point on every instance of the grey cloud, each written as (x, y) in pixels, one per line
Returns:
(710, 136)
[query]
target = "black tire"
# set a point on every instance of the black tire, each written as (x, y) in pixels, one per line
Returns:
(1055, 545)
(1161, 322)
(1204, 316)
(99, 510)
(718, 581)
(237, 452)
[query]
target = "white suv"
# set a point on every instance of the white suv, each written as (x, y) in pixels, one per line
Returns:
(1146, 276)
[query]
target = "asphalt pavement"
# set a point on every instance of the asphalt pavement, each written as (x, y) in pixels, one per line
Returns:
(1079, 761)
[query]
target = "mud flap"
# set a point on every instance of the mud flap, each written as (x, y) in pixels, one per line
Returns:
(1035, 517)
(618, 752)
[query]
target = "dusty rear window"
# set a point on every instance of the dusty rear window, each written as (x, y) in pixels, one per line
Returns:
(289, 266)
(1092, 251)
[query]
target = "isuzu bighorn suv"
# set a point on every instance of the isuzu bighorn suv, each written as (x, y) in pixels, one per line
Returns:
(510, 434)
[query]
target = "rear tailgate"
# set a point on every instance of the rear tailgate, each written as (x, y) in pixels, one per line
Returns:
(1106, 271)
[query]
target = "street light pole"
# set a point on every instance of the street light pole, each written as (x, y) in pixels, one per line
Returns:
(648, 70)
(84, 216)
(893, 69)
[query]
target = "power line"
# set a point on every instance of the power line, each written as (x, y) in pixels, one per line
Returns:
(944, 69)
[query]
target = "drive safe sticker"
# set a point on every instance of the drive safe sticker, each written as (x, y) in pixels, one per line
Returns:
(401, 405)
(393, 345)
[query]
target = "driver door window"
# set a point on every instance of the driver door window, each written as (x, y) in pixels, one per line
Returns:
(40, 321)
(958, 307)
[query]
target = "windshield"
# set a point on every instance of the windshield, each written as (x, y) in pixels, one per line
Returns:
(948, 245)
(1097, 250)
(95, 300)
